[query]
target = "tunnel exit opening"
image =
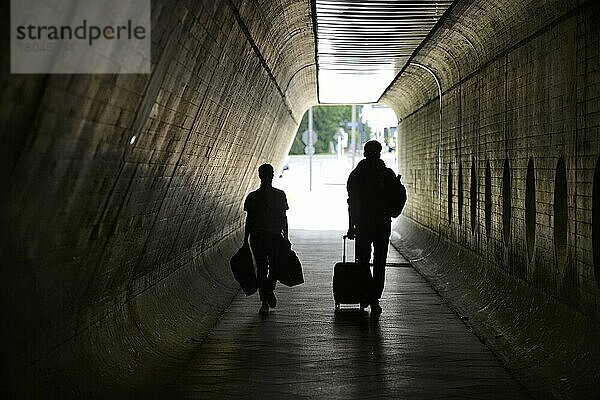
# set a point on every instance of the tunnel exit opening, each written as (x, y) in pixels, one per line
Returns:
(315, 174)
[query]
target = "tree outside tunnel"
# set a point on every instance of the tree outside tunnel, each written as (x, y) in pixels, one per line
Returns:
(327, 120)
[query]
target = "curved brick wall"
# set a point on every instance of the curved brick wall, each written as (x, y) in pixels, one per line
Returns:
(520, 83)
(116, 255)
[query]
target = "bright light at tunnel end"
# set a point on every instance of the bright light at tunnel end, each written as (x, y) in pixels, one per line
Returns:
(362, 45)
(353, 88)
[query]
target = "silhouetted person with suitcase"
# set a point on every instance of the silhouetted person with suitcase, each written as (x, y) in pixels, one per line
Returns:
(266, 221)
(369, 218)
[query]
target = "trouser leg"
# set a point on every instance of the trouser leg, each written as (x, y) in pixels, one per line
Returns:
(363, 249)
(260, 247)
(380, 245)
(272, 254)
(363, 257)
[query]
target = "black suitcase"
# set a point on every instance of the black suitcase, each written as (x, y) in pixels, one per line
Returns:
(351, 282)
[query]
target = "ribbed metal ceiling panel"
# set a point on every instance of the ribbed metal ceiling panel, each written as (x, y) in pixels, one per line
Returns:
(363, 44)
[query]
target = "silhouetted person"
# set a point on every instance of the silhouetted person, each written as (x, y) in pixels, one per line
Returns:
(265, 223)
(369, 220)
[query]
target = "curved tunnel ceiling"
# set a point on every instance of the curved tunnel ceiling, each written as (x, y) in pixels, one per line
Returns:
(363, 44)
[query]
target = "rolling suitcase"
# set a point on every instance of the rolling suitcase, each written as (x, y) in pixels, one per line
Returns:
(351, 282)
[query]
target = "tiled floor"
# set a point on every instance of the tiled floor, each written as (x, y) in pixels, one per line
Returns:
(417, 349)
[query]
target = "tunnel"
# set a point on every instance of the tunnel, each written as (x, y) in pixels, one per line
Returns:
(122, 197)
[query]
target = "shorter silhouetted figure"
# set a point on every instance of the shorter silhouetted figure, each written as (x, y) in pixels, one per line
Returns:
(265, 223)
(369, 214)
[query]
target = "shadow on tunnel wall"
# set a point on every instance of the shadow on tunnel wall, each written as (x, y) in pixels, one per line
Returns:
(122, 195)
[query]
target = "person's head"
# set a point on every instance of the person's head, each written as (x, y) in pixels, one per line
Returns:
(372, 150)
(266, 173)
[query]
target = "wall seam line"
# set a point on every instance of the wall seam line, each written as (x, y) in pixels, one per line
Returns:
(260, 57)
(315, 26)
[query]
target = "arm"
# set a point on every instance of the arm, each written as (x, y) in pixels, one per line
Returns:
(284, 221)
(351, 228)
(285, 208)
(248, 225)
(285, 226)
(246, 230)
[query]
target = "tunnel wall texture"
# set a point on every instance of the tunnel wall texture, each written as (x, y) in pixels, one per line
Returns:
(115, 253)
(503, 196)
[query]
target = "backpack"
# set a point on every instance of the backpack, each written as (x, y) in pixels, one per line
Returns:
(397, 197)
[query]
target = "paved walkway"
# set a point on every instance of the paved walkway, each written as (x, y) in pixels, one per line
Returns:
(418, 349)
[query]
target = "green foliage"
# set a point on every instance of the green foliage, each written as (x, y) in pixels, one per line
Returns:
(368, 131)
(326, 122)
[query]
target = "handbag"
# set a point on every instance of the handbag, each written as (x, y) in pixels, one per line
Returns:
(289, 268)
(242, 267)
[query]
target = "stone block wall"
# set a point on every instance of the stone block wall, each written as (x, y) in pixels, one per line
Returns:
(122, 194)
(507, 231)
(512, 94)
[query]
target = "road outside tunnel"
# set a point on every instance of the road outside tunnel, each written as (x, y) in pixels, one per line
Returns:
(325, 207)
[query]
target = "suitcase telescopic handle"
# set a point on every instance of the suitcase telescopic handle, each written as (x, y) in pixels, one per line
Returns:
(344, 248)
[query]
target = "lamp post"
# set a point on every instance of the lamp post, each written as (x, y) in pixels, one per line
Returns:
(353, 135)
(310, 147)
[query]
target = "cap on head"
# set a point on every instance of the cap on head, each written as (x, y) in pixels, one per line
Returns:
(266, 171)
(372, 148)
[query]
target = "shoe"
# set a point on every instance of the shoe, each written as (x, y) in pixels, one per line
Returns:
(376, 308)
(264, 309)
(272, 300)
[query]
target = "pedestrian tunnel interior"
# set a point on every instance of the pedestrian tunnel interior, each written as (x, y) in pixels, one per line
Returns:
(122, 193)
